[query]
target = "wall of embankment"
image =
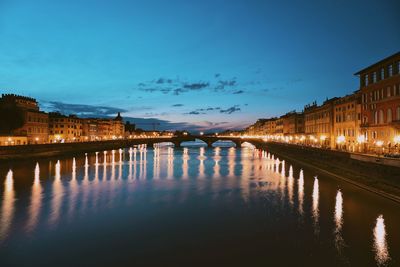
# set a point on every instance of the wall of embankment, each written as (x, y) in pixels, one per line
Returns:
(8, 153)
(367, 174)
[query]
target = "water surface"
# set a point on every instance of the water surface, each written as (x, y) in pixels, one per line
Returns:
(189, 206)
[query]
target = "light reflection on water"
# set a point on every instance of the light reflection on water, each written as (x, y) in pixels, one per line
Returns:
(301, 192)
(36, 201)
(76, 189)
(7, 207)
(380, 243)
(339, 241)
(315, 205)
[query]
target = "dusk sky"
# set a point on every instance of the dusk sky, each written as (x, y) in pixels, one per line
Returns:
(194, 64)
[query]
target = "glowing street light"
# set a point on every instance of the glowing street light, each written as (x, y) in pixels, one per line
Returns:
(361, 139)
(340, 139)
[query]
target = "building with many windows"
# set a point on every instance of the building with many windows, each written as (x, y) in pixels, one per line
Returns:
(293, 123)
(33, 128)
(346, 124)
(318, 123)
(380, 103)
(64, 129)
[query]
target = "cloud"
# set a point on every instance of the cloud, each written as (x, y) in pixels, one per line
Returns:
(163, 80)
(149, 123)
(177, 105)
(230, 110)
(179, 91)
(81, 109)
(202, 111)
(238, 92)
(195, 112)
(196, 86)
(177, 86)
(225, 83)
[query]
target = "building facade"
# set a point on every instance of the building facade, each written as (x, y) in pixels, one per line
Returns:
(64, 129)
(293, 123)
(34, 123)
(380, 104)
(347, 122)
(318, 124)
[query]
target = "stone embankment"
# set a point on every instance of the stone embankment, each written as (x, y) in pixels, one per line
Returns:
(370, 173)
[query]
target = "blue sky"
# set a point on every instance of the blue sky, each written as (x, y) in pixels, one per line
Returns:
(196, 64)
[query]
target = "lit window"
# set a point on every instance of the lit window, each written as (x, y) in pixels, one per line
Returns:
(390, 70)
(382, 73)
(381, 117)
(389, 115)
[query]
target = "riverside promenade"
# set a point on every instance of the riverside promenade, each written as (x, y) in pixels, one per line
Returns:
(372, 175)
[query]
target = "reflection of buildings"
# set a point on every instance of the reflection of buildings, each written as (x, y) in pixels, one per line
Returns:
(33, 126)
(36, 199)
(7, 206)
(315, 205)
(380, 243)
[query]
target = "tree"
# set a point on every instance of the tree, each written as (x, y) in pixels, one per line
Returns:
(11, 118)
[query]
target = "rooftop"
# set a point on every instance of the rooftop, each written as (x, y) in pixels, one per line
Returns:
(378, 63)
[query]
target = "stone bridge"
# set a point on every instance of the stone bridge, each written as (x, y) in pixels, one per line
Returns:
(48, 150)
(210, 140)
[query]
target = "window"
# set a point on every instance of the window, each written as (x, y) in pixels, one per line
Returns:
(389, 115)
(381, 117)
(376, 117)
(398, 113)
(389, 91)
(366, 79)
(390, 70)
(374, 77)
(382, 73)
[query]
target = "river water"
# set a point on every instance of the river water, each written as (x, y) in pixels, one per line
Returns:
(189, 206)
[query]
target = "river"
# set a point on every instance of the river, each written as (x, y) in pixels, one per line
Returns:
(221, 206)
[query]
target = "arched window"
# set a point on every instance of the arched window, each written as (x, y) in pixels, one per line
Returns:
(365, 119)
(398, 113)
(376, 117)
(381, 117)
(389, 115)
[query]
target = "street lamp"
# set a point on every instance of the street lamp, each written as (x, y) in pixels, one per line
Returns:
(340, 140)
(322, 138)
(361, 139)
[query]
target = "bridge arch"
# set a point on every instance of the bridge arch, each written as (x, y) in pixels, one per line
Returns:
(212, 140)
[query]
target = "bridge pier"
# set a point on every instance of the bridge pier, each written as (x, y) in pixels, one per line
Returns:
(177, 144)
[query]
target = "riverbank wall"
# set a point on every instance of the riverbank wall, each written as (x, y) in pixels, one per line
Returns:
(8, 153)
(367, 174)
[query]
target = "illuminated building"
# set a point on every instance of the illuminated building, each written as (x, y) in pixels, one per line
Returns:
(380, 103)
(319, 124)
(33, 123)
(64, 128)
(346, 125)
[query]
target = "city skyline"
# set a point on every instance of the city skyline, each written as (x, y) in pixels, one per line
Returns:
(215, 71)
